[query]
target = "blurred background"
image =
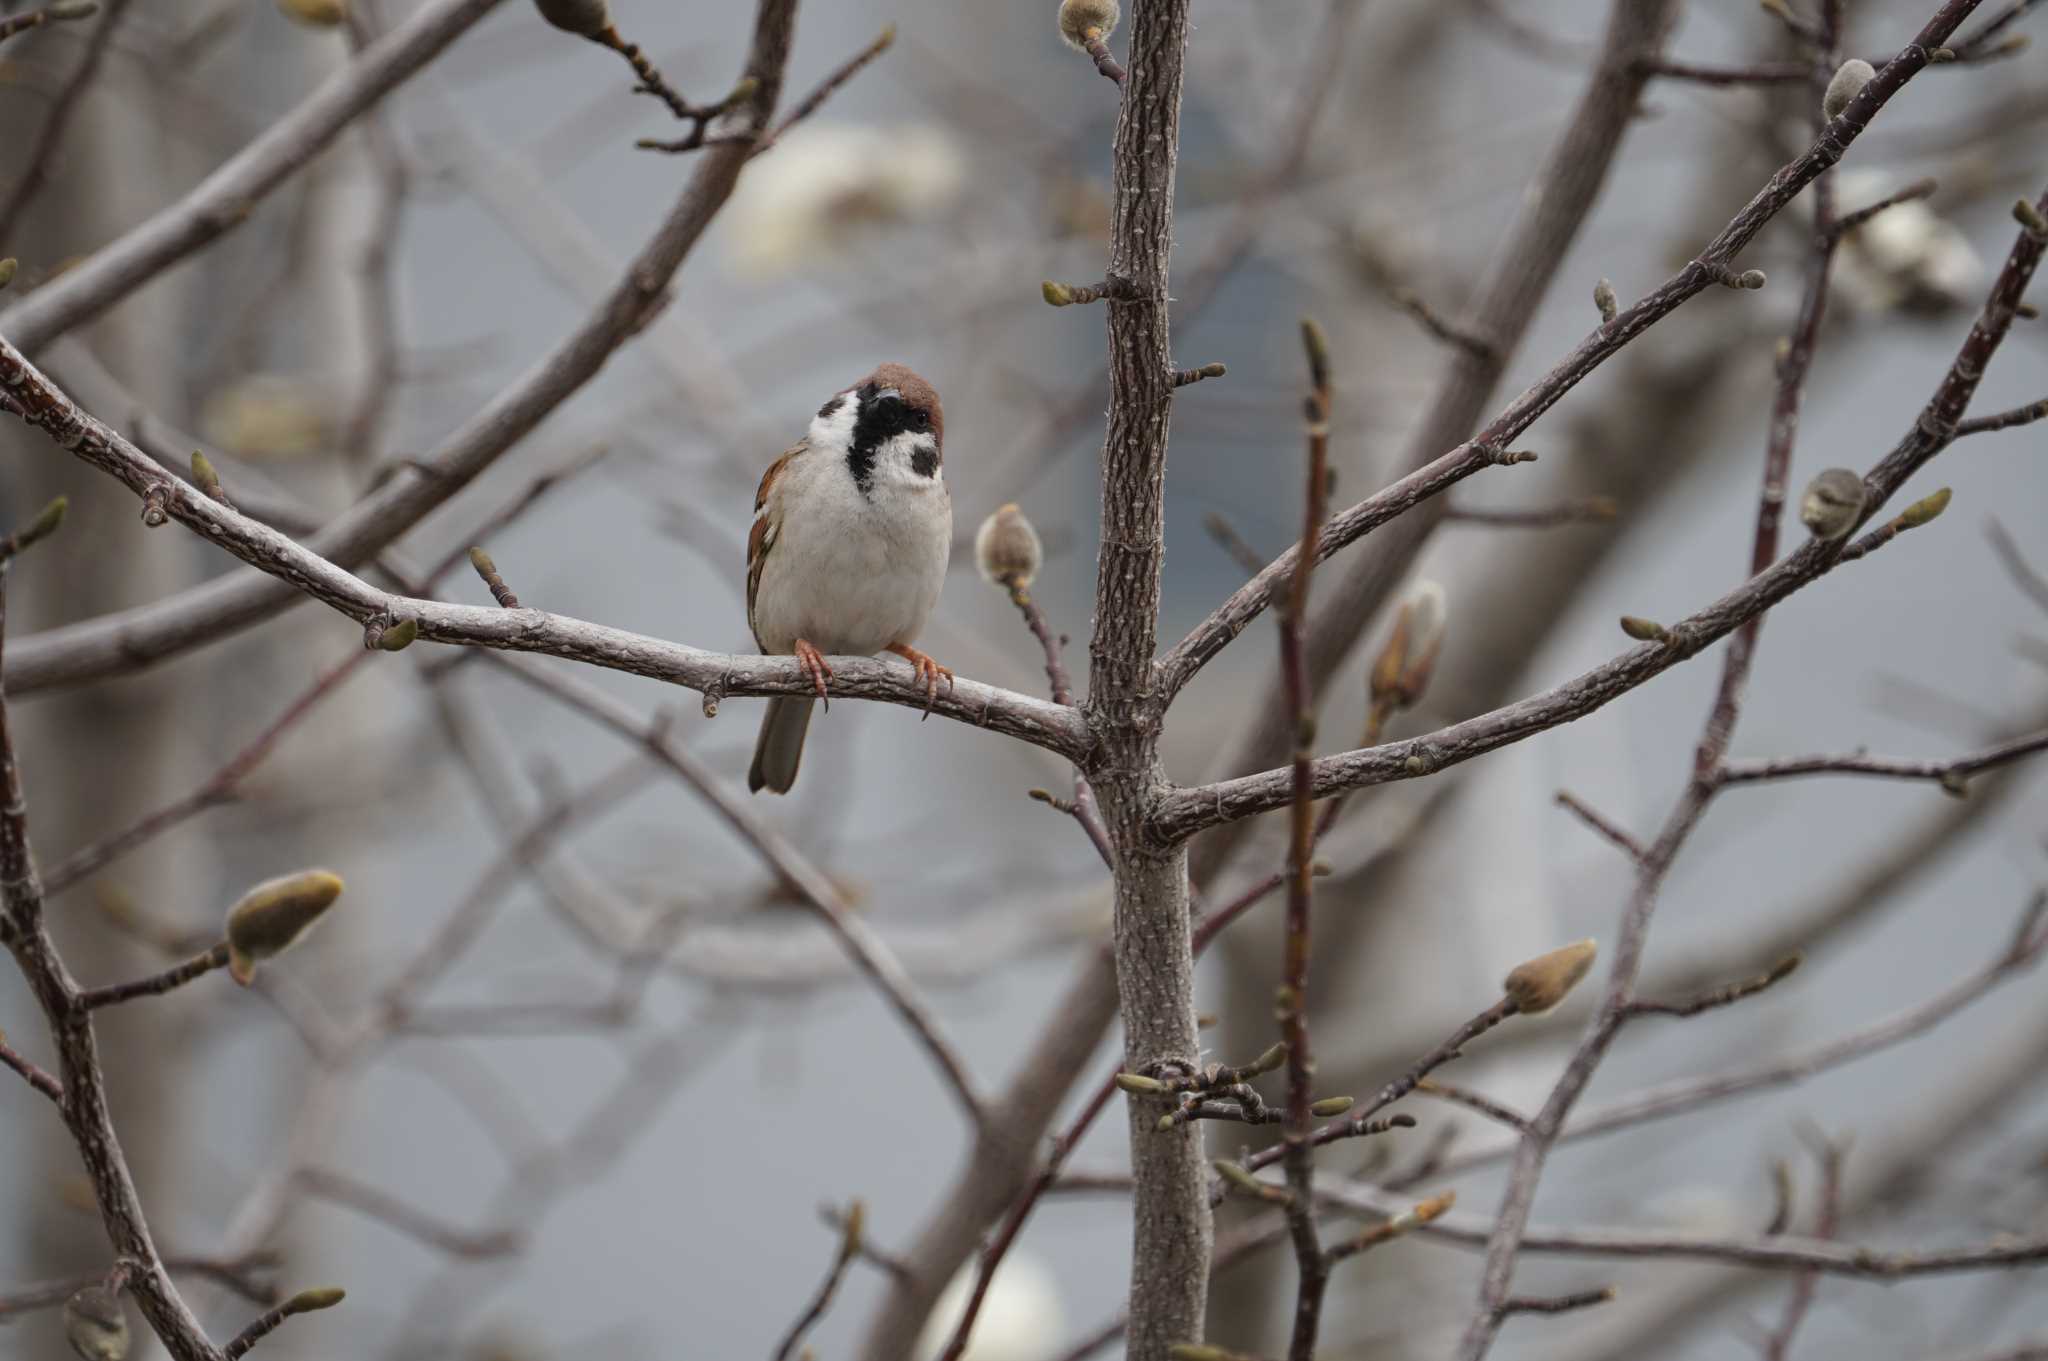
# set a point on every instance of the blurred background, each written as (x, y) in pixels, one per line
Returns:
(642, 1174)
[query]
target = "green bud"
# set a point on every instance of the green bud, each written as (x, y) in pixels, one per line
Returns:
(271, 917)
(1643, 630)
(1329, 1106)
(1139, 1085)
(399, 636)
(8, 267)
(311, 1301)
(1057, 294)
(1925, 509)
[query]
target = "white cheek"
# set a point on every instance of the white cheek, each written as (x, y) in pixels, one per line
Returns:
(832, 428)
(895, 460)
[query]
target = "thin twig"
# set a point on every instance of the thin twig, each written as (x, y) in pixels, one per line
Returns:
(44, 156)
(64, 12)
(1779, 1344)
(156, 985)
(849, 1250)
(1951, 775)
(305, 1302)
(1608, 829)
(1719, 997)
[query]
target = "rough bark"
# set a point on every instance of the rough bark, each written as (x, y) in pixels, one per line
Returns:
(1171, 1232)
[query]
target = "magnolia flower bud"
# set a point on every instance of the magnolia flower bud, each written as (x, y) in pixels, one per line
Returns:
(1007, 550)
(1139, 1085)
(1850, 78)
(273, 915)
(1643, 630)
(96, 1325)
(1329, 1106)
(1401, 673)
(1081, 20)
(1831, 503)
(315, 13)
(586, 18)
(1538, 985)
(1604, 299)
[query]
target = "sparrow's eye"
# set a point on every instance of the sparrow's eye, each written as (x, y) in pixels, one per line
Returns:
(920, 420)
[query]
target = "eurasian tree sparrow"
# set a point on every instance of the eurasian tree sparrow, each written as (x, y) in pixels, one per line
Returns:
(852, 531)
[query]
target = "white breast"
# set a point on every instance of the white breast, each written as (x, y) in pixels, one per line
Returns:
(848, 573)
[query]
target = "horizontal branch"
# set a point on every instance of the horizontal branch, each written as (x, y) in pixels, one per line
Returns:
(714, 674)
(1781, 1251)
(177, 976)
(1949, 774)
(224, 199)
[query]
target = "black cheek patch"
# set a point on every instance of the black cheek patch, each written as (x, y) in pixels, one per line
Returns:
(924, 461)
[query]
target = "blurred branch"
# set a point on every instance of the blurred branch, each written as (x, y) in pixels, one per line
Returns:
(127, 641)
(62, 108)
(1950, 775)
(305, 570)
(225, 199)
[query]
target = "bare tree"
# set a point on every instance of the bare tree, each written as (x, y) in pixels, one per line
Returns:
(1172, 851)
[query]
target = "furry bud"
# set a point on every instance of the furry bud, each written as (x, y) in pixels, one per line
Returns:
(585, 18)
(1007, 550)
(2028, 216)
(314, 13)
(7, 268)
(273, 915)
(1329, 1106)
(1538, 985)
(1081, 20)
(96, 1325)
(1604, 299)
(1831, 503)
(1401, 673)
(1139, 1085)
(1849, 79)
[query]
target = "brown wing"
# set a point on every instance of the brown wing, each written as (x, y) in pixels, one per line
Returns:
(767, 527)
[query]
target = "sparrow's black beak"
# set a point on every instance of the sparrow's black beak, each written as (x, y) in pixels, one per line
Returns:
(888, 394)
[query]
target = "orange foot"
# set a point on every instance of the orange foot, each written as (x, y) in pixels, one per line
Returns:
(927, 670)
(813, 663)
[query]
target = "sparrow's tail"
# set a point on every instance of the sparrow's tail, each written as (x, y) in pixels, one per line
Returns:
(781, 744)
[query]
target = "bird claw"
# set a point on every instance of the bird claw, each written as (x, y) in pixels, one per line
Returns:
(813, 663)
(927, 671)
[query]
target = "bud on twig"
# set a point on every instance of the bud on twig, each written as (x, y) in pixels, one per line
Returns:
(1329, 1106)
(395, 637)
(2028, 216)
(1849, 79)
(1007, 550)
(7, 268)
(1538, 985)
(1925, 509)
(1644, 630)
(96, 1324)
(1402, 672)
(1083, 20)
(584, 18)
(315, 13)
(272, 916)
(1831, 503)
(1139, 1085)
(1604, 299)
